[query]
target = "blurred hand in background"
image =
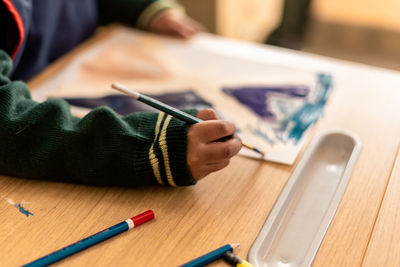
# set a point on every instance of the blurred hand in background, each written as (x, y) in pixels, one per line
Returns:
(173, 22)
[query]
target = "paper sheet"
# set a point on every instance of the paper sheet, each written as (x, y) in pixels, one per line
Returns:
(239, 90)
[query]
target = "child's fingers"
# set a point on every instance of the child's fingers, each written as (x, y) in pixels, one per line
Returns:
(219, 151)
(210, 144)
(184, 26)
(207, 114)
(182, 29)
(216, 166)
(195, 25)
(212, 130)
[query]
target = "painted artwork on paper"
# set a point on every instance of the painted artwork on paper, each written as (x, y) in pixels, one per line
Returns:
(286, 112)
(272, 106)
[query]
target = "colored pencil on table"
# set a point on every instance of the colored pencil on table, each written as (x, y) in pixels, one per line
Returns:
(93, 239)
(236, 261)
(168, 109)
(211, 256)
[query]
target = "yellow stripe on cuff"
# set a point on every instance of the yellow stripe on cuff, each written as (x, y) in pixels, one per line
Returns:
(152, 156)
(164, 148)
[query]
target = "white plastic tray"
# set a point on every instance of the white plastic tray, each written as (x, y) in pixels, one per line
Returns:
(300, 217)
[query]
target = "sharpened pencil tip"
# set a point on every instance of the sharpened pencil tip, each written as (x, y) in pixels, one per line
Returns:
(125, 90)
(235, 245)
(260, 152)
(251, 147)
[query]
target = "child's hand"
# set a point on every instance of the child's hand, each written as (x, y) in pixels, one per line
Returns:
(175, 23)
(205, 154)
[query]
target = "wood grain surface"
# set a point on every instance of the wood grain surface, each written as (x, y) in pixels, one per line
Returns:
(230, 205)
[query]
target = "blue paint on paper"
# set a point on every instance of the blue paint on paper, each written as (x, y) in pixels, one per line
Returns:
(23, 210)
(256, 98)
(287, 111)
(309, 112)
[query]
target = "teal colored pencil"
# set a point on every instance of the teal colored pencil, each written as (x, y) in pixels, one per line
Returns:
(211, 256)
(168, 109)
(156, 104)
(92, 240)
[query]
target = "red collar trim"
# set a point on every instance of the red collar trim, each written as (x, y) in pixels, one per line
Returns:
(18, 22)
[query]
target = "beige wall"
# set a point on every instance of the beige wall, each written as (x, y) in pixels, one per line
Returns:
(250, 20)
(204, 11)
(371, 13)
(253, 20)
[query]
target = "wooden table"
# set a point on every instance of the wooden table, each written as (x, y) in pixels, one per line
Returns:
(230, 205)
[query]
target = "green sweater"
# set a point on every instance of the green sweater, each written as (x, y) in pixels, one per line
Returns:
(44, 141)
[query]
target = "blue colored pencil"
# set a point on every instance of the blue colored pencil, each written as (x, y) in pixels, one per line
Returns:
(93, 239)
(211, 256)
(169, 110)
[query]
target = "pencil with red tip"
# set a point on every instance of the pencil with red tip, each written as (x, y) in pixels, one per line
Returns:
(93, 239)
(169, 110)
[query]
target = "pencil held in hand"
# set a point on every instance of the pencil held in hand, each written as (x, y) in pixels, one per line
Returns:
(169, 110)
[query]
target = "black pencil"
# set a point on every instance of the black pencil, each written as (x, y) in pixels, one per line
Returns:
(168, 109)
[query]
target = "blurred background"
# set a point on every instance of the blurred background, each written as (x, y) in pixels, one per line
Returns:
(364, 31)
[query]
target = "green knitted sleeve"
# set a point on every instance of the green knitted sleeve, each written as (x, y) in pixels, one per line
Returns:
(44, 141)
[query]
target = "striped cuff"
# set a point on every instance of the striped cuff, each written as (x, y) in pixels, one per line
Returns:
(167, 154)
(153, 9)
(153, 158)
